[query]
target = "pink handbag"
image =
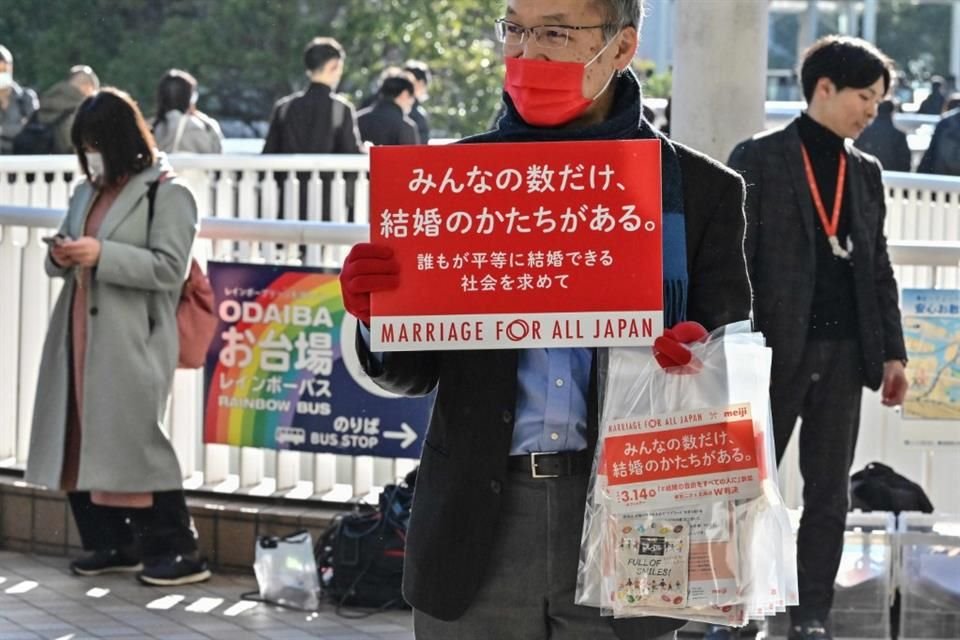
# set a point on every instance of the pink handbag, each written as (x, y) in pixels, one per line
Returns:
(196, 318)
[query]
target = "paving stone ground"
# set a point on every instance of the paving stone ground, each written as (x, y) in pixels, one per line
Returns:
(39, 598)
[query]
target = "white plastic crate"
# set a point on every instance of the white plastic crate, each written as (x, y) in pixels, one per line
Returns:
(864, 584)
(929, 576)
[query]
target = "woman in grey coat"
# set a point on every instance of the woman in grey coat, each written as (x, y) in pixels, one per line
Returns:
(111, 351)
(179, 126)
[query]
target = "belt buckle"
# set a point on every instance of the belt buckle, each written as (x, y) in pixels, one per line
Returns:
(533, 464)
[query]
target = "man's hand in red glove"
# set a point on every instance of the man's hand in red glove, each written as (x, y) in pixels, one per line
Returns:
(367, 269)
(670, 350)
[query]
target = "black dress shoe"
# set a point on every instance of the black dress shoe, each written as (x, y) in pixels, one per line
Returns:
(174, 570)
(106, 561)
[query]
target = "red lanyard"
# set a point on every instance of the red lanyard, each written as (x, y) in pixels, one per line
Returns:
(830, 226)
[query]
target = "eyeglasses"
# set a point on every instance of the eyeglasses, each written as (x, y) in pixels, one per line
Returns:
(549, 36)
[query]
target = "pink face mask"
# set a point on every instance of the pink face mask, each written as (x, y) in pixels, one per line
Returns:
(548, 93)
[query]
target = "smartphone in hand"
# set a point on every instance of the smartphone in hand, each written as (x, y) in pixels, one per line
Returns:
(52, 241)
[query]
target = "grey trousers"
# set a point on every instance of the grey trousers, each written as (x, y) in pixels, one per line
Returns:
(529, 589)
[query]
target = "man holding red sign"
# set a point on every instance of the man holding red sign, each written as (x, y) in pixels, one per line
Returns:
(494, 538)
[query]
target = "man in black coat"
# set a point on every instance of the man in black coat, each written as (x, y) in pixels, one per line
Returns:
(824, 293)
(387, 121)
(884, 141)
(494, 537)
(943, 155)
(317, 120)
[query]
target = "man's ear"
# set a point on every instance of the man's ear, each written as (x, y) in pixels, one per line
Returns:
(333, 66)
(825, 87)
(627, 45)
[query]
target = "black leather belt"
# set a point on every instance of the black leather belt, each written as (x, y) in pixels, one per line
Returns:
(552, 465)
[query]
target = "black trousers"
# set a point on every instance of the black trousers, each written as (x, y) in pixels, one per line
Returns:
(825, 393)
(160, 530)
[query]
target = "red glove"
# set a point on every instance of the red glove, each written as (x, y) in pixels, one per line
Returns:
(669, 349)
(368, 268)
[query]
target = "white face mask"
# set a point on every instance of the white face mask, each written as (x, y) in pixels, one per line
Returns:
(6, 79)
(94, 163)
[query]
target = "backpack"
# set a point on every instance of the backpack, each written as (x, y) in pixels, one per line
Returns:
(37, 138)
(360, 556)
(877, 487)
(196, 318)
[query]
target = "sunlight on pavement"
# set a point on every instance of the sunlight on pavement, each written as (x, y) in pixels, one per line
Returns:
(23, 587)
(239, 608)
(205, 605)
(166, 602)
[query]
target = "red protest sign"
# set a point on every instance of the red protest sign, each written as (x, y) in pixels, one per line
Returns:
(519, 245)
(687, 457)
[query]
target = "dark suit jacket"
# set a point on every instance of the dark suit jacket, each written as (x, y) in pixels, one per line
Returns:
(943, 154)
(422, 120)
(383, 122)
(463, 468)
(887, 144)
(781, 259)
(313, 121)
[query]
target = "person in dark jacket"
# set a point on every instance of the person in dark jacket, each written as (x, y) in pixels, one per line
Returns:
(932, 105)
(825, 296)
(421, 83)
(884, 141)
(387, 120)
(494, 538)
(59, 103)
(316, 120)
(943, 155)
(17, 103)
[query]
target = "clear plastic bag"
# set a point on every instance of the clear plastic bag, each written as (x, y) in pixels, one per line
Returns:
(683, 517)
(286, 571)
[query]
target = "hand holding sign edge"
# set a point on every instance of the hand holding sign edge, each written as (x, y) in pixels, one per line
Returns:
(368, 268)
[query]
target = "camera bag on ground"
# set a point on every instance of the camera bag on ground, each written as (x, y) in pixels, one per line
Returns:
(360, 557)
(877, 487)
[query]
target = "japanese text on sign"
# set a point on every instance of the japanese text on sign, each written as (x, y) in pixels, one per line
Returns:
(680, 458)
(578, 234)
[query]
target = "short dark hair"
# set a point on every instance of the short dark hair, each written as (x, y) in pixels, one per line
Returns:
(5, 55)
(320, 51)
(847, 62)
(393, 86)
(887, 107)
(175, 92)
(419, 69)
(110, 122)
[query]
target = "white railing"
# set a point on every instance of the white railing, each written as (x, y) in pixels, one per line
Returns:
(246, 223)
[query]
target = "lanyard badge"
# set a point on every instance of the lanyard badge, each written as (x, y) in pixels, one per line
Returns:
(830, 225)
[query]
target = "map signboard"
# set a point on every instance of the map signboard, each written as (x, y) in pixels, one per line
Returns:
(931, 329)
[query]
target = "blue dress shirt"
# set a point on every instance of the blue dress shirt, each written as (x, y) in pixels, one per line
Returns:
(551, 412)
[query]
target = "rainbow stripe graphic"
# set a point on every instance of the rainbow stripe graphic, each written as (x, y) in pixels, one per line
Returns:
(246, 427)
